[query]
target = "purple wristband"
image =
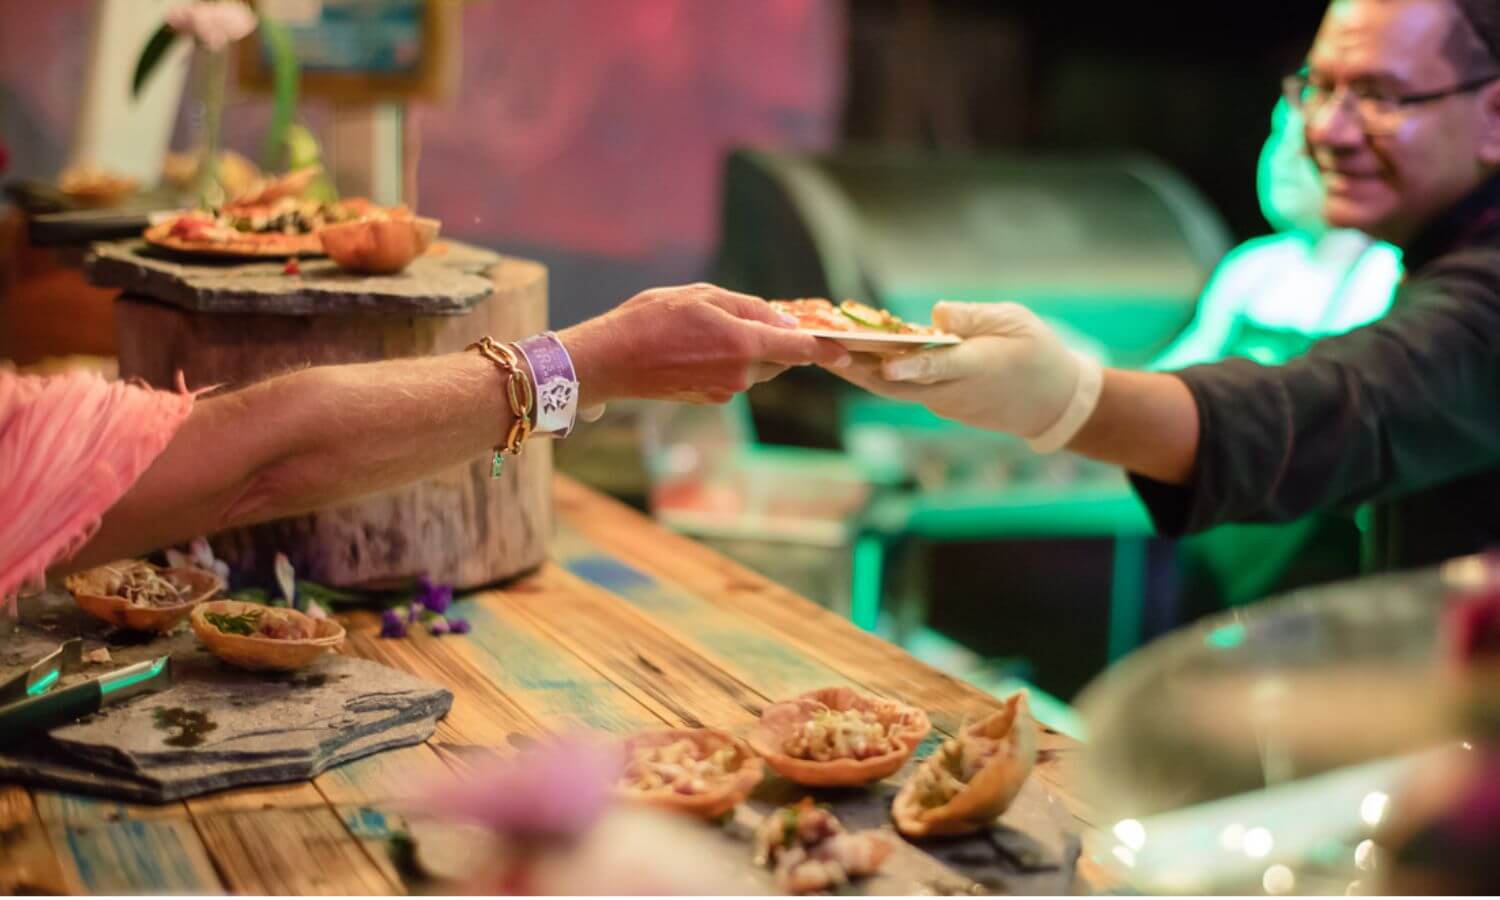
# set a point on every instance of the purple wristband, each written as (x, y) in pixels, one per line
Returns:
(556, 383)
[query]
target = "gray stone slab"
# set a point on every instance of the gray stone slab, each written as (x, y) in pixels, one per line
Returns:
(448, 284)
(217, 726)
(1031, 850)
(190, 780)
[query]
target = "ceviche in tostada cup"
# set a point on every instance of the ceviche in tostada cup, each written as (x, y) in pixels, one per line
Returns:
(973, 777)
(699, 771)
(838, 737)
(263, 638)
(137, 595)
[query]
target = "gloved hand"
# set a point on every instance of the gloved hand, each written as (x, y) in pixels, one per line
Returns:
(1011, 374)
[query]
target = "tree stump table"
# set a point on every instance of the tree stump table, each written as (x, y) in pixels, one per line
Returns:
(231, 325)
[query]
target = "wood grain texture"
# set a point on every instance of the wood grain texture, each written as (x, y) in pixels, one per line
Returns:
(686, 685)
(460, 526)
(671, 578)
(28, 862)
(553, 686)
(677, 684)
(291, 851)
(482, 714)
(690, 570)
(135, 856)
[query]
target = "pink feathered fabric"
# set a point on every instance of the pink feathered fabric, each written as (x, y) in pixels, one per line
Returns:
(70, 446)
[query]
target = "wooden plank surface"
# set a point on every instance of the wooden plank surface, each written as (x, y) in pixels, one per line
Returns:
(28, 862)
(673, 579)
(629, 627)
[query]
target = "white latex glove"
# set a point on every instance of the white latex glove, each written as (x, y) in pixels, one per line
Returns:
(1011, 373)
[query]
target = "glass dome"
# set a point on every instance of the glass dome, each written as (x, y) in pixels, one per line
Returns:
(1257, 751)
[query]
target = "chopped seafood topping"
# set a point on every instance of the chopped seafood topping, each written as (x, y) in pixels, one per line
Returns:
(143, 585)
(958, 762)
(841, 734)
(810, 850)
(677, 767)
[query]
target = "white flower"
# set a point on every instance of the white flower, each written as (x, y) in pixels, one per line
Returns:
(286, 579)
(215, 24)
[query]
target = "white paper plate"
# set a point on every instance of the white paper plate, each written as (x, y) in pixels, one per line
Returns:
(874, 342)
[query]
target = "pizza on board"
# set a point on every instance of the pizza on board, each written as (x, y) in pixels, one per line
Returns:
(280, 227)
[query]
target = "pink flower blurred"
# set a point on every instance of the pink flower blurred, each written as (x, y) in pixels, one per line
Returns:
(213, 23)
(553, 789)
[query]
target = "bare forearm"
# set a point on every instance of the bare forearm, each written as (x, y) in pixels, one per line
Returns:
(1145, 422)
(307, 440)
(325, 436)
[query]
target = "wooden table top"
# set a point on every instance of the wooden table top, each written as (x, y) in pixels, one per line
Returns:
(628, 626)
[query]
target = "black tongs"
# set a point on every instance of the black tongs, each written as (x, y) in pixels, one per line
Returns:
(33, 704)
(45, 673)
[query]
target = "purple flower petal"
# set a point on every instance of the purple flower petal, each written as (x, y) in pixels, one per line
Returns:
(391, 625)
(436, 597)
(438, 625)
(458, 625)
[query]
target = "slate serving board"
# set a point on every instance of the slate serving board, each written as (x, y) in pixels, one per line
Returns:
(446, 283)
(217, 726)
(1031, 850)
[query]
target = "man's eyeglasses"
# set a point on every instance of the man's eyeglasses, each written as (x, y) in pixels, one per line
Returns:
(1379, 113)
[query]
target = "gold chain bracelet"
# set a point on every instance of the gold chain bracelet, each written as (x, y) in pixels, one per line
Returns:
(520, 393)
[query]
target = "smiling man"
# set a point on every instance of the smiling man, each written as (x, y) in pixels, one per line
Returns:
(1402, 106)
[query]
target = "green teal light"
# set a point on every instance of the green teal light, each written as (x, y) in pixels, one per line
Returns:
(1226, 637)
(43, 684)
(150, 672)
(865, 587)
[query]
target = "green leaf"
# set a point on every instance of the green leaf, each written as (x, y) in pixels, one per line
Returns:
(330, 597)
(877, 326)
(151, 56)
(285, 76)
(243, 624)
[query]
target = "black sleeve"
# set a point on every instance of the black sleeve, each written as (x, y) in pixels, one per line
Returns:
(1408, 402)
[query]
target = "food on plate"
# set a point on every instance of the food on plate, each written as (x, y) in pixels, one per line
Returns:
(279, 227)
(838, 737)
(379, 243)
(816, 314)
(137, 595)
(91, 185)
(270, 218)
(267, 638)
(698, 771)
(810, 850)
(973, 777)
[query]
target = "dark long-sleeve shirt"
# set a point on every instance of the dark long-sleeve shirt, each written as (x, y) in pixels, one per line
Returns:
(1404, 413)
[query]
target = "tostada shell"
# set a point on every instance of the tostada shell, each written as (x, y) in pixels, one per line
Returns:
(91, 590)
(378, 246)
(1011, 736)
(708, 805)
(261, 653)
(907, 724)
